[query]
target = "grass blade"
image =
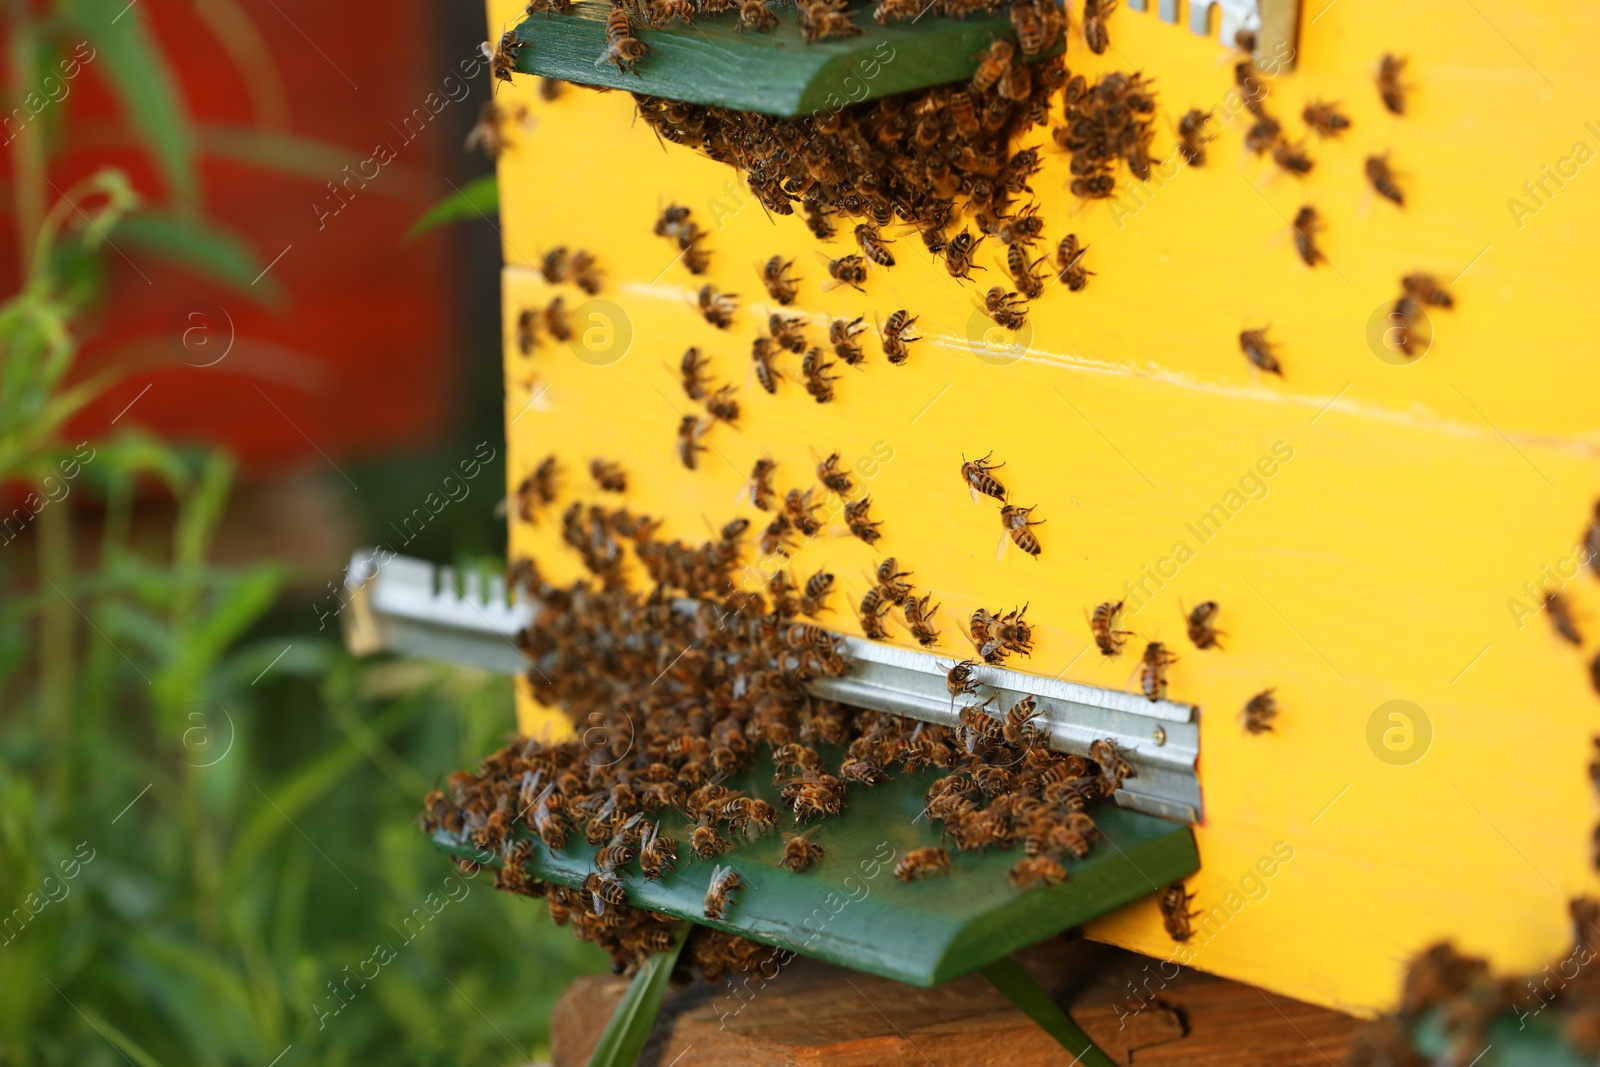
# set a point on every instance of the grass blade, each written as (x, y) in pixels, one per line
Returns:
(478, 199)
(629, 1028)
(1006, 975)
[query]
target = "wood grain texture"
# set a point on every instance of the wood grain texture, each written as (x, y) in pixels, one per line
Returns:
(814, 1014)
(1385, 560)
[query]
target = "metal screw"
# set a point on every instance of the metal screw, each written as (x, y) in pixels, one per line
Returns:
(1160, 735)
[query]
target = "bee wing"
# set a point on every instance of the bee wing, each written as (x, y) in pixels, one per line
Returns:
(1005, 543)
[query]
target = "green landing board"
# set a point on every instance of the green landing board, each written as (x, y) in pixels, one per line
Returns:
(775, 72)
(848, 908)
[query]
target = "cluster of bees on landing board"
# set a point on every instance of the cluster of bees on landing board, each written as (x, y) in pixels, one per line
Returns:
(679, 697)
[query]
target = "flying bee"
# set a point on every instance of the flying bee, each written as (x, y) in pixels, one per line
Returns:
(1390, 88)
(761, 492)
(1192, 136)
(895, 340)
(1103, 626)
(1258, 714)
(842, 332)
(859, 522)
(1202, 624)
(584, 272)
(872, 610)
(1153, 671)
(724, 880)
(723, 404)
(718, 308)
(959, 252)
(993, 62)
(1307, 224)
(528, 331)
(788, 331)
(761, 356)
(1033, 871)
(1425, 289)
(502, 55)
(692, 366)
(800, 852)
(829, 474)
(819, 383)
(550, 89)
(1560, 612)
(608, 476)
(1292, 158)
(873, 246)
(690, 430)
(1175, 913)
(1069, 261)
(889, 583)
(978, 474)
(1094, 24)
(775, 276)
(1325, 119)
(922, 863)
(918, 615)
(1382, 179)
(1259, 351)
(818, 586)
(1003, 308)
(801, 512)
(848, 270)
(1016, 523)
(555, 320)
(1029, 282)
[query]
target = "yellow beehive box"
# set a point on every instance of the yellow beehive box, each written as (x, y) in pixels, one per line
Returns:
(1374, 529)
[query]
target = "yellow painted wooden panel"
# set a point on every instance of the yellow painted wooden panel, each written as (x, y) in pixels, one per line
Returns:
(1404, 509)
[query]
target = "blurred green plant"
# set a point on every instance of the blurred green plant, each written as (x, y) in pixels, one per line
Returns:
(206, 831)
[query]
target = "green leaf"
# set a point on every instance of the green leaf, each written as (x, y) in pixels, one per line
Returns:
(1007, 976)
(629, 1028)
(480, 197)
(122, 1041)
(205, 248)
(128, 55)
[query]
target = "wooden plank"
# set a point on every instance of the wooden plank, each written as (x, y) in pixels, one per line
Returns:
(849, 909)
(711, 62)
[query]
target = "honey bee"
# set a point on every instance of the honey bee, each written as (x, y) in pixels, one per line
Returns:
(959, 252)
(1292, 158)
(1021, 727)
(1263, 134)
(775, 276)
(1175, 913)
(657, 854)
(1016, 523)
(817, 221)
(502, 55)
(889, 584)
(1069, 261)
(605, 888)
(1425, 289)
(1094, 24)
(873, 246)
(1307, 224)
(724, 880)
(1325, 119)
(979, 476)
(583, 272)
(690, 431)
(1030, 283)
(623, 49)
(872, 610)
(964, 114)
(692, 366)
(550, 89)
(1094, 187)
(1202, 623)
(848, 270)
(918, 615)
(718, 308)
(922, 863)
(891, 10)
(671, 221)
(959, 680)
(723, 404)
(1192, 136)
(542, 482)
(705, 842)
(801, 512)
(992, 63)
(1259, 351)
(1258, 714)
(1390, 88)
(897, 336)
(528, 331)
(1153, 671)
(1003, 308)
(860, 524)
(818, 586)
(611, 857)
(819, 383)
(753, 15)
(761, 492)
(782, 591)
(1033, 871)
(555, 320)
(1037, 26)
(608, 476)
(1560, 612)
(1382, 179)
(829, 474)
(788, 331)
(1103, 625)
(842, 332)
(775, 538)
(1252, 87)
(553, 265)
(762, 355)
(800, 852)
